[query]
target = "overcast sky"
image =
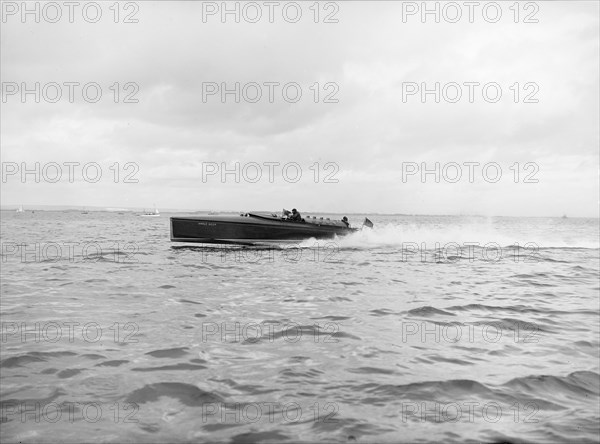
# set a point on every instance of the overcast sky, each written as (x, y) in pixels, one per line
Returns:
(369, 125)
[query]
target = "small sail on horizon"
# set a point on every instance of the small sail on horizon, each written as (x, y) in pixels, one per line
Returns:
(149, 214)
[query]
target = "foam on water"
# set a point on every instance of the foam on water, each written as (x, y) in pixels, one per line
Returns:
(186, 345)
(484, 232)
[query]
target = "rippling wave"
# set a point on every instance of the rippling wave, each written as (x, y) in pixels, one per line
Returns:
(382, 336)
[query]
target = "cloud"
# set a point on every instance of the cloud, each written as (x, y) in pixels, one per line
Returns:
(174, 55)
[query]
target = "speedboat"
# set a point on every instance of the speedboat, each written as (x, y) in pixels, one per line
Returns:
(256, 228)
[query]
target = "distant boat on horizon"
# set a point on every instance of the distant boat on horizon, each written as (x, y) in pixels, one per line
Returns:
(151, 214)
(564, 216)
(20, 209)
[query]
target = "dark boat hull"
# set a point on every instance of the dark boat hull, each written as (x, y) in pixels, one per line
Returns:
(253, 229)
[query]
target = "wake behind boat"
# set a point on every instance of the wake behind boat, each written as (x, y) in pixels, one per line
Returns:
(256, 228)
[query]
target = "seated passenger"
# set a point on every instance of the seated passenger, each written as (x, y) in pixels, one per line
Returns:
(295, 216)
(345, 220)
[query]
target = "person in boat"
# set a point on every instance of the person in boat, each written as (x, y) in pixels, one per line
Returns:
(345, 220)
(295, 216)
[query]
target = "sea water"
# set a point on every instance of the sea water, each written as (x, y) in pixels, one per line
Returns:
(423, 329)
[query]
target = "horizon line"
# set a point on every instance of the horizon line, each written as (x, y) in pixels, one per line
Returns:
(100, 209)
